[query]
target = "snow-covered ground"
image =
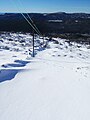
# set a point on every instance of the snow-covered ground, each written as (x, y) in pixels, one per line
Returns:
(55, 85)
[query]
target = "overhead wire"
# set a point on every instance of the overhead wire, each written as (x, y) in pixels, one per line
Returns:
(32, 22)
(29, 23)
(27, 19)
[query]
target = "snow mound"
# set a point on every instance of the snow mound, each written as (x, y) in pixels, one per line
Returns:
(55, 85)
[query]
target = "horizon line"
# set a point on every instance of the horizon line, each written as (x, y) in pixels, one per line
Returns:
(45, 12)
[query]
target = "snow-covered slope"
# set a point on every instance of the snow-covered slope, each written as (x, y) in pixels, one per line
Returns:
(52, 86)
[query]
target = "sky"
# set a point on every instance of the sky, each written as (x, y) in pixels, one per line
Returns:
(44, 6)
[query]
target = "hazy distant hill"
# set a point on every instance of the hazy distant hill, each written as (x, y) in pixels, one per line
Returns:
(59, 22)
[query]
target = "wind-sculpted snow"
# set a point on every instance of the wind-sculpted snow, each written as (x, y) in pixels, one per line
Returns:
(13, 47)
(18, 63)
(55, 85)
(7, 74)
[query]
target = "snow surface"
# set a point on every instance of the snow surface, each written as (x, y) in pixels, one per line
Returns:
(55, 85)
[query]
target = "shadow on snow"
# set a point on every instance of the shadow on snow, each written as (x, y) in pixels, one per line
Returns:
(9, 74)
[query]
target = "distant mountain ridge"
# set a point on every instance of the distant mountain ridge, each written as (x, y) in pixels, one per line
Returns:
(58, 22)
(52, 15)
